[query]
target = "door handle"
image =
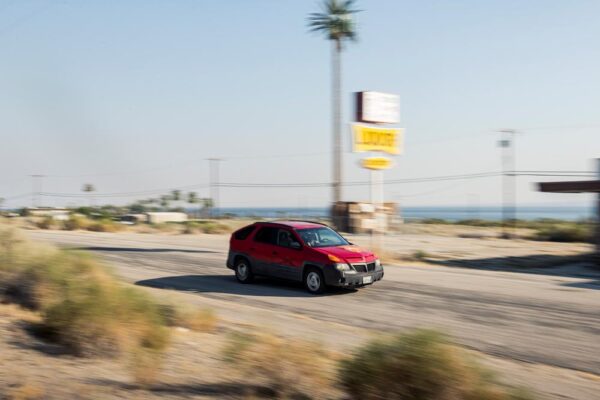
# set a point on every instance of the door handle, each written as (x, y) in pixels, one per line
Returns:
(274, 253)
(252, 248)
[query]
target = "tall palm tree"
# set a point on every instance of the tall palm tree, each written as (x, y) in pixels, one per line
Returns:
(335, 21)
(192, 198)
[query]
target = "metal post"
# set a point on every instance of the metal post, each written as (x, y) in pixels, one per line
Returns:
(213, 164)
(508, 182)
(36, 190)
(377, 203)
(373, 203)
(598, 212)
(379, 215)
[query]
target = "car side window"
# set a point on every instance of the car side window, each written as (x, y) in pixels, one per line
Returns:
(285, 238)
(267, 235)
(243, 233)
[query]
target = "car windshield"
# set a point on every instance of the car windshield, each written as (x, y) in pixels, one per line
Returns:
(321, 237)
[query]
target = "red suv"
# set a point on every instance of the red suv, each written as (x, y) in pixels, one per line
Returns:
(302, 251)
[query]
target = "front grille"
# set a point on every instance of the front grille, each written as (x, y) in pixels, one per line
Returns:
(362, 268)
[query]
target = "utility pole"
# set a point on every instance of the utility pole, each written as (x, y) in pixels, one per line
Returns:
(213, 175)
(597, 241)
(36, 189)
(509, 190)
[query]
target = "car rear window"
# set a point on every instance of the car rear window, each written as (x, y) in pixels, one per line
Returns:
(266, 234)
(243, 233)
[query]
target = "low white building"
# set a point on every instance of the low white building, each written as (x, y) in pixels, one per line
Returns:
(59, 214)
(160, 217)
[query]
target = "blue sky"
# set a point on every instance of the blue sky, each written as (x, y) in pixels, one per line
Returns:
(135, 95)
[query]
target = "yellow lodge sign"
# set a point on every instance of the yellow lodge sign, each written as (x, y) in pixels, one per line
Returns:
(370, 138)
(376, 163)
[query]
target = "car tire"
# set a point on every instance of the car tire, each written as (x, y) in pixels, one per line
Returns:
(243, 271)
(314, 281)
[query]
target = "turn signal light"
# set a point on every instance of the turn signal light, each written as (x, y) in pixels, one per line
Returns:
(334, 258)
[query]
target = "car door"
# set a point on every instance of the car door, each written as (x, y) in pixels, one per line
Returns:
(262, 248)
(287, 258)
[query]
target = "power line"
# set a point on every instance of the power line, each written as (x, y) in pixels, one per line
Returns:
(360, 183)
(126, 194)
(258, 185)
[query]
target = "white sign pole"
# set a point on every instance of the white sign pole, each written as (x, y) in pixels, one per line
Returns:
(379, 215)
(377, 223)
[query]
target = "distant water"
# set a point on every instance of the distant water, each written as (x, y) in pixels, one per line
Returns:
(448, 213)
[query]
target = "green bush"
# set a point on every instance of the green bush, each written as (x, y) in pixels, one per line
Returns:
(82, 305)
(209, 227)
(421, 365)
(75, 222)
(191, 227)
(420, 255)
(104, 225)
(86, 309)
(565, 232)
(46, 223)
(166, 227)
(478, 222)
(434, 221)
(214, 228)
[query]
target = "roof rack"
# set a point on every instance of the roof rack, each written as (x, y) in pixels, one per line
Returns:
(297, 220)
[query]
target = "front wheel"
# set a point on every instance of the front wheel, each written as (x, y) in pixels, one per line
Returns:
(243, 272)
(314, 282)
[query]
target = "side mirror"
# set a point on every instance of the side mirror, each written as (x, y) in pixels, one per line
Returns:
(295, 245)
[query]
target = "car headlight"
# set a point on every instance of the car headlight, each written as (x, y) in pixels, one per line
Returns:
(342, 267)
(345, 268)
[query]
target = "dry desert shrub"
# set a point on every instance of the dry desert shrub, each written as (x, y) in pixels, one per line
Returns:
(419, 365)
(289, 368)
(81, 303)
(189, 317)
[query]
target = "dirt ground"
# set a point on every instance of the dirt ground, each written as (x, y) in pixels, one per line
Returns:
(515, 304)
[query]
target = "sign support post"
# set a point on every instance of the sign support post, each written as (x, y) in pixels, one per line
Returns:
(378, 205)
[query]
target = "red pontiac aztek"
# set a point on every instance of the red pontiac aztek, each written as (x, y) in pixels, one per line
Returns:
(301, 251)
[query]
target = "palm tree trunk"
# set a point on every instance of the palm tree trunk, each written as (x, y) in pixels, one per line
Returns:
(336, 73)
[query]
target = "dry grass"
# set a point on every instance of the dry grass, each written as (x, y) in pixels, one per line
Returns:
(82, 305)
(77, 222)
(47, 223)
(145, 365)
(26, 392)
(419, 365)
(105, 226)
(288, 368)
(193, 318)
(209, 227)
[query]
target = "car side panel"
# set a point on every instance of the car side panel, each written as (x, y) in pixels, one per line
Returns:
(288, 263)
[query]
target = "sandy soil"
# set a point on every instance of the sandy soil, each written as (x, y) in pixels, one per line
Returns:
(536, 325)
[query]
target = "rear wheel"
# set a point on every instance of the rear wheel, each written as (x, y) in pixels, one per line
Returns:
(314, 282)
(243, 271)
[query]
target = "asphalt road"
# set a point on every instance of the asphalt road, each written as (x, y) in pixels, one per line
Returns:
(547, 317)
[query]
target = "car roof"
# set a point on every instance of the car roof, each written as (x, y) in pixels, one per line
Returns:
(295, 224)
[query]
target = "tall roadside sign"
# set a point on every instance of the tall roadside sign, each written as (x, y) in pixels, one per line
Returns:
(374, 112)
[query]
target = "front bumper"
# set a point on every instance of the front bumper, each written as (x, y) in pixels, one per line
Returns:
(342, 279)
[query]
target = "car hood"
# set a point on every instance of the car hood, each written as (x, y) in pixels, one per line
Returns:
(350, 253)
